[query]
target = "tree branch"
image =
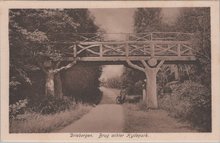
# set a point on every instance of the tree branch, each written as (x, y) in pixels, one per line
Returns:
(65, 67)
(144, 63)
(135, 66)
(57, 64)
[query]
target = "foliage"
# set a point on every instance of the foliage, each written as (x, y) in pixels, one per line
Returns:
(48, 104)
(190, 102)
(197, 21)
(37, 123)
(114, 82)
(191, 20)
(147, 20)
(37, 36)
(17, 108)
(81, 83)
(132, 80)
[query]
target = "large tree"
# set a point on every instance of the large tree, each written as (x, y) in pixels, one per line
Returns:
(40, 38)
(145, 20)
(197, 21)
(191, 20)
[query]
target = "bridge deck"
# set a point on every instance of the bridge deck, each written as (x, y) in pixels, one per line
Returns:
(162, 46)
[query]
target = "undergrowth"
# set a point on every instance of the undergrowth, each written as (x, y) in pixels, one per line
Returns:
(191, 102)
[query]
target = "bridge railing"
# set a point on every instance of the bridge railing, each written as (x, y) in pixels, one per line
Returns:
(140, 48)
(154, 44)
(113, 37)
(160, 36)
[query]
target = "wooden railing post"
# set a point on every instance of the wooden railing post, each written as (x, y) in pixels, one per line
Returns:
(126, 49)
(101, 50)
(74, 51)
(152, 50)
(178, 50)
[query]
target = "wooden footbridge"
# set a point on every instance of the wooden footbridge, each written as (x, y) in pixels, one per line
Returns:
(143, 51)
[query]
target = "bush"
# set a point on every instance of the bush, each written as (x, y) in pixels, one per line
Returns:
(114, 82)
(190, 102)
(48, 104)
(200, 112)
(81, 83)
(17, 108)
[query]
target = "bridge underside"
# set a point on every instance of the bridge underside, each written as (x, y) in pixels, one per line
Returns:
(168, 60)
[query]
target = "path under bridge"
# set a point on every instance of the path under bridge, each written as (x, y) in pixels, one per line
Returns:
(142, 51)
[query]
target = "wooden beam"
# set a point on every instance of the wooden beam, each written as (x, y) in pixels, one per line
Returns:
(135, 42)
(132, 58)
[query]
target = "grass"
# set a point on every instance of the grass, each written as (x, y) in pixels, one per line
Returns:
(189, 102)
(38, 123)
(138, 119)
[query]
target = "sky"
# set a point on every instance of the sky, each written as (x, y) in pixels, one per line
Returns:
(114, 20)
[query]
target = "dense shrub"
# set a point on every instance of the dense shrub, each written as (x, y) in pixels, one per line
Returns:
(200, 112)
(17, 108)
(48, 104)
(190, 102)
(81, 83)
(114, 82)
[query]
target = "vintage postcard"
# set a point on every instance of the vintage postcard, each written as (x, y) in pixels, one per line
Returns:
(110, 71)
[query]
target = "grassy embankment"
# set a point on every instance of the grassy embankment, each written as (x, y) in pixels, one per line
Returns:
(139, 120)
(188, 105)
(38, 123)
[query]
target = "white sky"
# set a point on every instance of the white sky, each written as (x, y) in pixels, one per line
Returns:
(114, 20)
(110, 71)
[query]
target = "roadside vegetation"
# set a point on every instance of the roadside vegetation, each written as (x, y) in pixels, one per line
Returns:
(114, 82)
(138, 119)
(36, 122)
(189, 102)
(184, 90)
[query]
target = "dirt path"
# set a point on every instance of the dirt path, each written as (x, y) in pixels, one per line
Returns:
(106, 117)
(103, 118)
(109, 95)
(111, 117)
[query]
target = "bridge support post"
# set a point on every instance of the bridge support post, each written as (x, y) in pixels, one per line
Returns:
(151, 67)
(151, 89)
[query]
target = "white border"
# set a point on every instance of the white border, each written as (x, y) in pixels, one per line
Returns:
(152, 137)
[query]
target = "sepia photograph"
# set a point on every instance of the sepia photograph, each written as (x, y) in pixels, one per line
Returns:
(110, 70)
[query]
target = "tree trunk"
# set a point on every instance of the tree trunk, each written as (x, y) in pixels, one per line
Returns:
(58, 86)
(49, 87)
(151, 89)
